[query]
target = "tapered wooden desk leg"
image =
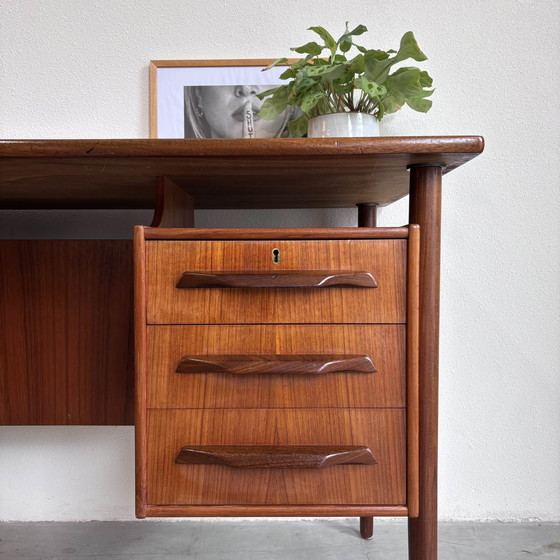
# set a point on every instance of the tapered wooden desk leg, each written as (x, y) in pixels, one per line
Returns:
(425, 210)
(366, 527)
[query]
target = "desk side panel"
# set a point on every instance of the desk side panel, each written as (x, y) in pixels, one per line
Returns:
(65, 333)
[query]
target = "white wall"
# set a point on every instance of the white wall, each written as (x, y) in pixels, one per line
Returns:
(79, 69)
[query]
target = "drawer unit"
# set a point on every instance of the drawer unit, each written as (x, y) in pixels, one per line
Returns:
(277, 376)
(381, 481)
(194, 366)
(341, 292)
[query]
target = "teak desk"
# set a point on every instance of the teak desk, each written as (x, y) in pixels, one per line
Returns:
(274, 350)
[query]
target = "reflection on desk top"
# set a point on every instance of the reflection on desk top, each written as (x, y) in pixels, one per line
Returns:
(238, 173)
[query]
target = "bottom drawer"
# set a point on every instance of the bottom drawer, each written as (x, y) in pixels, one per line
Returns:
(380, 430)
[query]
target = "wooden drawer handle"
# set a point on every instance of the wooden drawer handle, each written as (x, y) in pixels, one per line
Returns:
(276, 456)
(280, 279)
(296, 364)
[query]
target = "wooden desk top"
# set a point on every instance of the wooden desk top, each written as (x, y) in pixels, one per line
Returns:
(239, 173)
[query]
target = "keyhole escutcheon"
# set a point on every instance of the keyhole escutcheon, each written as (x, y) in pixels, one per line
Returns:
(275, 256)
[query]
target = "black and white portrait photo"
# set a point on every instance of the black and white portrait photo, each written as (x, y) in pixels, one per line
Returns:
(230, 111)
(204, 99)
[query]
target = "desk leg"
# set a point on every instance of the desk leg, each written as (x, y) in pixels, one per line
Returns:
(366, 527)
(367, 215)
(425, 210)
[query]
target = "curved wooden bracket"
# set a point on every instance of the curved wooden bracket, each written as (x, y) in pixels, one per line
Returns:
(281, 279)
(174, 207)
(276, 456)
(296, 364)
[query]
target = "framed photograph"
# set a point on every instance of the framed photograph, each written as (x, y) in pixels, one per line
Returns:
(213, 99)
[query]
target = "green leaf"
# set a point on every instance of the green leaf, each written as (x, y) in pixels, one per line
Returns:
(330, 43)
(343, 88)
(298, 64)
(357, 65)
(345, 46)
(298, 127)
(420, 105)
(373, 90)
(425, 93)
(310, 100)
(405, 81)
(328, 71)
(288, 74)
(409, 49)
(303, 85)
(268, 92)
(358, 30)
(405, 86)
(311, 48)
(281, 92)
(335, 73)
(272, 108)
(425, 79)
(347, 76)
(276, 62)
(377, 70)
(345, 42)
(377, 65)
(276, 104)
(390, 104)
(376, 54)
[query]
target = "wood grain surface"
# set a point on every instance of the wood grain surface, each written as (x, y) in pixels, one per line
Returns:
(425, 210)
(275, 364)
(276, 511)
(207, 411)
(66, 353)
(382, 431)
(268, 173)
(140, 378)
(238, 147)
(167, 345)
(174, 208)
(278, 279)
(412, 370)
(276, 233)
(167, 261)
(276, 456)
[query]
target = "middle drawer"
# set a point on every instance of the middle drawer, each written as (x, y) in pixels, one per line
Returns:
(334, 357)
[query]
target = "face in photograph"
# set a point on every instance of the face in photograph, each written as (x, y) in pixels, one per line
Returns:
(230, 112)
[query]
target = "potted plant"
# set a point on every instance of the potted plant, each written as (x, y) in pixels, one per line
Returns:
(363, 88)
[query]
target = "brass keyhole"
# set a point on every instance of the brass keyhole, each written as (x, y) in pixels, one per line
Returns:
(275, 256)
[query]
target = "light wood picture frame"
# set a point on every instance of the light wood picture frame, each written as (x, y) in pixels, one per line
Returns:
(213, 99)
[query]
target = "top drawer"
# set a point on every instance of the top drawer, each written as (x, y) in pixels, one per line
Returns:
(168, 261)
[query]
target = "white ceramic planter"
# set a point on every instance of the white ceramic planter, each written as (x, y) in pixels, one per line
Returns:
(343, 125)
